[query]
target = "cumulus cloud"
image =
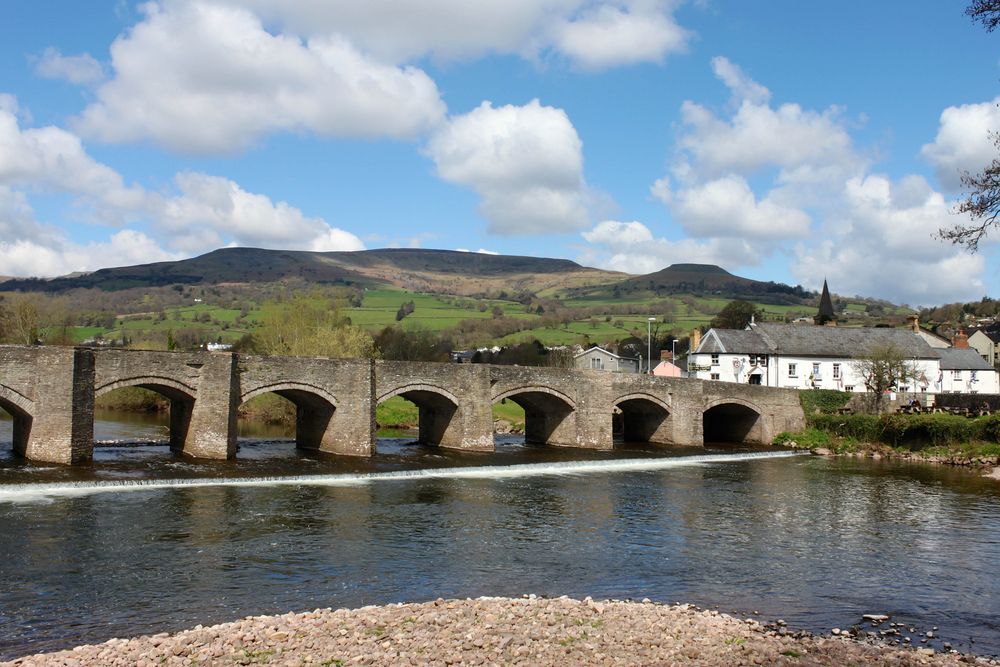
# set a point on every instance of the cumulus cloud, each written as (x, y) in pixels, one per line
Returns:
(525, 162)
(56, 256)
(208, 78)
(82, 70)
(882, 245)
(631, 247)
(727, 207)
(201, 213)
(209, 211)
(963, 141)
(609, 35)
(592, 34)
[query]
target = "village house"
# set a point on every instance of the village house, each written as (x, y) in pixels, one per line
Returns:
(823, 357)
(599, 359)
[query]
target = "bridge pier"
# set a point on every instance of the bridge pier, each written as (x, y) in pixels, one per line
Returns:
(60, 426)
(211, 430)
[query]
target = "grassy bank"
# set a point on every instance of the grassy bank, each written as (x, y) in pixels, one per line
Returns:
(931, 437)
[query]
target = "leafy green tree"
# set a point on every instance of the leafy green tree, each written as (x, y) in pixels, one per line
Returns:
(736, 314)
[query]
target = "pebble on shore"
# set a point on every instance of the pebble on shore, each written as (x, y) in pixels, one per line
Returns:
(488, 631)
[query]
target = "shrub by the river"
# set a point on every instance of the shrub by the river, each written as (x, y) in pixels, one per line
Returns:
(809, 438)
(823, 401)
(909, 431)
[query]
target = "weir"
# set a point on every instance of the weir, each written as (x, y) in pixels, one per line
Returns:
(37, 492)
(50, 393)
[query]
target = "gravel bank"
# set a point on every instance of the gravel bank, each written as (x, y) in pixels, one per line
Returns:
(490, 631)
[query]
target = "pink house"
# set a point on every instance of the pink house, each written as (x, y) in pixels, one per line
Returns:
(667, 370)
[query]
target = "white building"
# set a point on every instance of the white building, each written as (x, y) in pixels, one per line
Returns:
(807, 357)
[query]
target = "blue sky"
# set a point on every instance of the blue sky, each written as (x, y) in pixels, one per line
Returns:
(782, 140)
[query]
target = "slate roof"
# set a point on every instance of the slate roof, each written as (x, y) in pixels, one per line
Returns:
(963, 360)
(814, 341)
(733, 341)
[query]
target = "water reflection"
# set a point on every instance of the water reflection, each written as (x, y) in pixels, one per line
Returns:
(815, 541)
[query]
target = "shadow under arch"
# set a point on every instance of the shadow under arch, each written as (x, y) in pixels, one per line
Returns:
(644, 418)
(732, 421)
(547, 415)
(437, 408)
(21, 410)
(315, 411)
(180, 395)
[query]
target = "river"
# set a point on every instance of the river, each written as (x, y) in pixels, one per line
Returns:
(108, 550)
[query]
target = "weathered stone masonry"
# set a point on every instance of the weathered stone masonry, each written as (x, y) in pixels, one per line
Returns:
(50, 393)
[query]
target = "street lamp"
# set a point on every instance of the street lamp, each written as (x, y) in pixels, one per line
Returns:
(649, 344)
(673, 352)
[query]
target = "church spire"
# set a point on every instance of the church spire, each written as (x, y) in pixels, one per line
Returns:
(825, 313)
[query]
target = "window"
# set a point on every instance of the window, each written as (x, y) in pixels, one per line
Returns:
(956, 375)
(791, 371)
(597, 364)
(715, 376)
(849, 387)
(836, 371)
(715, 360)
(758, 359)
(816, 371)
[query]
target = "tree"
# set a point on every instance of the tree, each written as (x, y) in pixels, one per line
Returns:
(986, 12)
(982, 190)
(735, 315)
(310, 327)
(19, 320)
(882, 368)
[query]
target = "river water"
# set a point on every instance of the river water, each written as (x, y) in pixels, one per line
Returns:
(110, 549)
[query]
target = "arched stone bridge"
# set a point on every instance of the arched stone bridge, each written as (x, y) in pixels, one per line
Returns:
(50, 393)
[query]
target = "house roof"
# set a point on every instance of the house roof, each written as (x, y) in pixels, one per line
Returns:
(813, 341)
(994, 336)
(738, 341)
(963, 359)
(604, 352)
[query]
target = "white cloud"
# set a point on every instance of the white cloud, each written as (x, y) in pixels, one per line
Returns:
(82, 70)
(481, 251)
(591, 33)
(208, 78)
(632, 248)
(56, 256)
(202, 213)
(963, 141)
(882, 244)
(727, 207)
(210, 211)
(608, 35)
(739, 83)
(525, 162)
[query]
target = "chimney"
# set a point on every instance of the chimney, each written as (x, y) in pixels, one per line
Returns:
(961, 340)
(914, 323)
(695, 339)
(666, 355)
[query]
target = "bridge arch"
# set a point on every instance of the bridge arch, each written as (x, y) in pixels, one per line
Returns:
(21, 410)
(644, 418)
(437, 412)
(548, 414)
(732, 420)
(181, 396)
(315, 412)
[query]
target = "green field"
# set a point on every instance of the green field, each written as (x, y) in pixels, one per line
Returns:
(591, 319)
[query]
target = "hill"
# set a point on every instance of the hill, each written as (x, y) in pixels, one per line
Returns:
(439, 271)
(703, 279)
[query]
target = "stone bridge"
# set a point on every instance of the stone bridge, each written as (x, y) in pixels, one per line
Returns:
(50, 392)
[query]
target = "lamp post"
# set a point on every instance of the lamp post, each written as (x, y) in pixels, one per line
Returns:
(673, 352)
(649, 344)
